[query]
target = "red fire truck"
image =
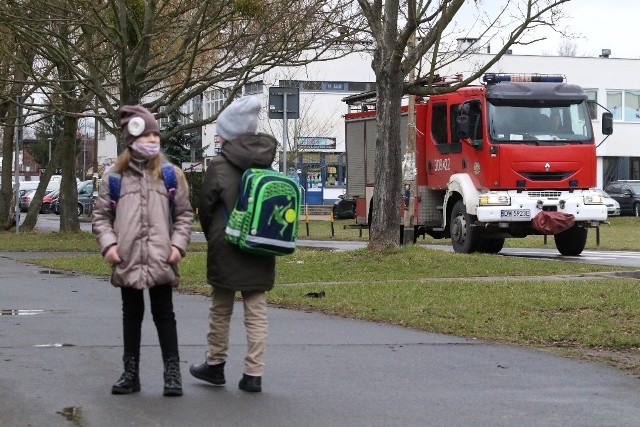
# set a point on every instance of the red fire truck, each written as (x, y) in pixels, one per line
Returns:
(511, 157)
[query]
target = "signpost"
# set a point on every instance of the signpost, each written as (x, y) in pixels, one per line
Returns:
(284, 103)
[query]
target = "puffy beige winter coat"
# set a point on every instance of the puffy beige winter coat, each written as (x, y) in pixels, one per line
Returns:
(141, 228)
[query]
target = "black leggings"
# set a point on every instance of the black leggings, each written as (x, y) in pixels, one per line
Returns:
(163, 316)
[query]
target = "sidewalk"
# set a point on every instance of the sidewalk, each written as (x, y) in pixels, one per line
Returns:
(57, 367)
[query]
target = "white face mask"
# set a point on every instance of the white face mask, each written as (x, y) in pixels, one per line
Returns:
(145, 149)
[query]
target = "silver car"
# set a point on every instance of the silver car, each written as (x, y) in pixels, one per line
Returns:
(25, 200)
(613, 207)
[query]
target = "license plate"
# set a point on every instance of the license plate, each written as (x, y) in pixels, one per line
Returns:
(515, 213)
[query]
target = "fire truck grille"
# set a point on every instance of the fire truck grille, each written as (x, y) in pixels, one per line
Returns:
(546, 176)
(541, 194)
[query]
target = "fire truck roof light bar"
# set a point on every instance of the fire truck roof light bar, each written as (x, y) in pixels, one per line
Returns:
(493, 78)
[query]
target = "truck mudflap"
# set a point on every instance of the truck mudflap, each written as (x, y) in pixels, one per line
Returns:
(525, 206)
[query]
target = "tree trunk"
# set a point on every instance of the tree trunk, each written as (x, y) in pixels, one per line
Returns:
(385, 222)
(68, 187)
(7, 215)
(36, 204)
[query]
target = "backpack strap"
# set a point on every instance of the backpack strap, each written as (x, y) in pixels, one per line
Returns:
(115, 182)
(170, 178)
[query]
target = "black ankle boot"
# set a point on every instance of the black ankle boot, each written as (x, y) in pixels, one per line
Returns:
(172, 377)
(129, 381)
(250, 383)
(213, 374)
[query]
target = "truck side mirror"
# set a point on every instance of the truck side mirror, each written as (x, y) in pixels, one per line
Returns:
(607, 123)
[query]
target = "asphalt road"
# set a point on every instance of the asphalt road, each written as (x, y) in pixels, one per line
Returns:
(60, 350)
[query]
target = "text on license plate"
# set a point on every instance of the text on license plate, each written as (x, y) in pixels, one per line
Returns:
(515, 213)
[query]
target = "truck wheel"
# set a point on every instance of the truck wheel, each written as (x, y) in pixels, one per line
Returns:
(463, 237)
(571, 242)
(491, 246)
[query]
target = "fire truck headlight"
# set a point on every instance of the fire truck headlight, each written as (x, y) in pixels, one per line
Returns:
(593, 199)
(494, 200)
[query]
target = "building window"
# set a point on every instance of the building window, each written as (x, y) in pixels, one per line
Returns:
(592, 102)
(163, 121)
(213, 101)
(253, 87)
(632, 105)
(625, 105)
(101, 131)
(614, 103)
(328, 86)
(186, 112)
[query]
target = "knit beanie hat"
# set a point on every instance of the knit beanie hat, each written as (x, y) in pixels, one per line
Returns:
(135, 120)
(239, 118)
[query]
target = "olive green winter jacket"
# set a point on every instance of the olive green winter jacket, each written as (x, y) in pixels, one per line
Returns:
(227, 265)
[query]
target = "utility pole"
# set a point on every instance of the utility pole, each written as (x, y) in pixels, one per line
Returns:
(19, 121)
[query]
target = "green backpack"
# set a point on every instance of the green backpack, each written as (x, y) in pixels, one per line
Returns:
(265, 217)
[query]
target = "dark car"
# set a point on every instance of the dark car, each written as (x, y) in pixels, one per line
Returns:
(344, 208)
(627, 193)
(85, 199)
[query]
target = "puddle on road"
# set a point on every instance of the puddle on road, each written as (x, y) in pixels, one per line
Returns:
(20, 312)
(58, 273)
(28, 312)
(629, 274)
(74, 415)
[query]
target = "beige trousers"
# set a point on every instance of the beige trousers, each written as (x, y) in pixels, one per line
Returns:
(255, 322)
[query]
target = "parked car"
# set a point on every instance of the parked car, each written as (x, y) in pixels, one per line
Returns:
(25, 200)
(627, 193)
(613, 207)
(85, 199)
(344, 208)
(48, 200)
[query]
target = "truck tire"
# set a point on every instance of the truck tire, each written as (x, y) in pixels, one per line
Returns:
(571, 242)
(464, 238)
(491, 246)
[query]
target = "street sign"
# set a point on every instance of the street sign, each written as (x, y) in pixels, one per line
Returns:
(192, 166)
(277, 102)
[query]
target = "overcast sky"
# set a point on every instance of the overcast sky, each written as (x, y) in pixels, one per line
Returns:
(602, 24)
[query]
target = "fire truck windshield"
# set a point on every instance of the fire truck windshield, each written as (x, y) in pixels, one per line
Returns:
(549, 125)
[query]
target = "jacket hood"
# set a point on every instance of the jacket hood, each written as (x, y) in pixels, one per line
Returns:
(250, 150)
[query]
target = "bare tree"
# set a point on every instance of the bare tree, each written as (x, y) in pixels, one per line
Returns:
(393, 24)
(567, 48)
(16, 59)
(163, 53)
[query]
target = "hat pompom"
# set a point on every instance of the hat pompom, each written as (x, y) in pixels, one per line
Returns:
(136, 126)
(239, 118)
